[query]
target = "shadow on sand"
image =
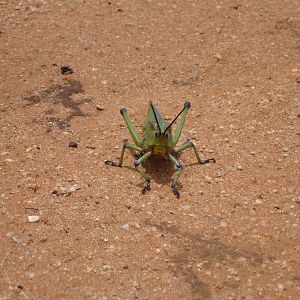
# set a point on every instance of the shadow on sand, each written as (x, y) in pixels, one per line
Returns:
(159, 169)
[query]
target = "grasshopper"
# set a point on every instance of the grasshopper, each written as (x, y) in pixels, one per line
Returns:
(158, 140)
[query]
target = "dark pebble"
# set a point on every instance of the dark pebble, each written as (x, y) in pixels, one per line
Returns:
(73, 144)
(66, 70)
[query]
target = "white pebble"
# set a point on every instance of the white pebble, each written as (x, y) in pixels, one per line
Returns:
(33, 219)
(125, 226)
(239, 167)
(280, 287)
(185, 206)
(223, 224)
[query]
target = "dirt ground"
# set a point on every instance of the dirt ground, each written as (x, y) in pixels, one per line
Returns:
(234, 232)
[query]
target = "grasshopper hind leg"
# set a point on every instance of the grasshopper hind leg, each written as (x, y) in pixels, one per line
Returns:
(175, 192)
(147, 187)
(177, 174)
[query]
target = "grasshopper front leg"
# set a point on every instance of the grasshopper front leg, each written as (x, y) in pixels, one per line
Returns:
(125, 146)
(189, 144)
(137, 164)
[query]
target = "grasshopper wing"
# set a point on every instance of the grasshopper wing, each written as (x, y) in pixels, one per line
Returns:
(150, 120)
(150, 126)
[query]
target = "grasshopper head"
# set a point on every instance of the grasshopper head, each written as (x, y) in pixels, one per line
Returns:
(162, 135)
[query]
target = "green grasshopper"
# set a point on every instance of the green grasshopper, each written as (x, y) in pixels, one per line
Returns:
(158, 140)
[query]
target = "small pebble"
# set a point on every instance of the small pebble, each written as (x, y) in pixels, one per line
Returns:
(264, 223)
(98, 107)
(232, 271)
(66, 190)
(107, 267)
(137, 225)
(218, 56)
(223, 224)
(33, 219)
(125, 226)
(11, 236)
(199, 265)
(72, 188)
(239, 167)
(297, 200)
(208, 179)
(73, 144)
(185, 206)
(280, 287)
(66, 70)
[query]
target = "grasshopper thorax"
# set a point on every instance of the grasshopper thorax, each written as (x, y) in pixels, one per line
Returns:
(161, 143)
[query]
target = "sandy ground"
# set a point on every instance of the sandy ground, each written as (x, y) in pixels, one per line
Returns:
(234, 232)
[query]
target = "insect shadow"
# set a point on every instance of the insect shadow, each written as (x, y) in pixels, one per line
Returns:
(160, 169)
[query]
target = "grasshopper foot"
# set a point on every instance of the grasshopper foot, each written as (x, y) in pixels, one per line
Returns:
(111, 163)
(206, 161)
(146, 188)
(175, 192)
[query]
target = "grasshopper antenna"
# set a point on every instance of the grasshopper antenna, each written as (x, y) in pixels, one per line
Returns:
(155, 118)
(186, 105)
